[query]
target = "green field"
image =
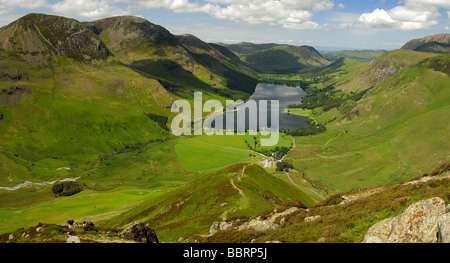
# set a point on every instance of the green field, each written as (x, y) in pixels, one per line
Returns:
(89, 205)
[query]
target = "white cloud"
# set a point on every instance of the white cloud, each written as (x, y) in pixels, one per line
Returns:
(295, 14)
(412, 15)
(88, 8)
(8, 6)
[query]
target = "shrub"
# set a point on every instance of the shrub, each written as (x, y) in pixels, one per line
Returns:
(66, 188)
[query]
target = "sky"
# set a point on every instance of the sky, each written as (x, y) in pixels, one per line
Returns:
(324, 24)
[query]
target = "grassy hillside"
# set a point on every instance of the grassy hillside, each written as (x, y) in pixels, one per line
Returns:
(434, 47)
(396, 131)
(188, 212)
(339, 221)
(415, 43)
(381, 68)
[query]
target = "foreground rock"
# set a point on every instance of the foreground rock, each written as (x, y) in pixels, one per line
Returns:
(140, 232)
(422, 222)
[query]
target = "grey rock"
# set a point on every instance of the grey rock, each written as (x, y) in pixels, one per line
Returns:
(259, 225)
(73, 239)
(140, 232)
(444, 228)
(311, 218)
(220, 226)
(417, 224)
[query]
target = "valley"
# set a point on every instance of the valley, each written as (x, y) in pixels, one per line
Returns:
(91, 101)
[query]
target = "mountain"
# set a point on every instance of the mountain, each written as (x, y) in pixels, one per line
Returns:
(379, 69)
(66, 101)
(219, 60)
(153, 50)
(438, 39)
(38, 38)
(434, 47)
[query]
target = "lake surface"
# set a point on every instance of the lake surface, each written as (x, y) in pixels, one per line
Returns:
(286, 95)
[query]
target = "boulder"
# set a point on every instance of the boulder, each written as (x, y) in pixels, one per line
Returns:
(259, 225)
(312, 218)
(140, 232)
(73, 239)
(220, 226)
(417, 224)
(444, 229)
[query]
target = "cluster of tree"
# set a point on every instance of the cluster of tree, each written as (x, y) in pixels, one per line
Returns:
(326, 99)
(160, 120)
(306, 131)
(277, 152)
(66, 188)
(284, 166)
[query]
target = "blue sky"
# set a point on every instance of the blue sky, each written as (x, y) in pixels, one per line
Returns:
(366, 24)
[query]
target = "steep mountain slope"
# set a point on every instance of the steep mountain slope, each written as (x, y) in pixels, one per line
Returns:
(220, 61)
(412, 104)
(38, 38)
(381, 68)
(434, 47)
(65, 100)
(155, 51)
(416, 43)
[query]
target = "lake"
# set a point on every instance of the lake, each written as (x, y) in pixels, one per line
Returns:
(286, 95)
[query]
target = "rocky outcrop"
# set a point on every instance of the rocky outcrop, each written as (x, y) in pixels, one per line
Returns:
(444, 228)
(140, 232)
(259, 225)
(422, 222)
(220, 226)
(73, 239)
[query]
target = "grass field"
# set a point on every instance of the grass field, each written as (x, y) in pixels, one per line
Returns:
(211, 153)
(88, 205)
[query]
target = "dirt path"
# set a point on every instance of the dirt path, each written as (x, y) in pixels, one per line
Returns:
(303, 187)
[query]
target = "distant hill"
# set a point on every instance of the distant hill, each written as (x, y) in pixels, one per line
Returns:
(439, 43)
(154, 50)
(360, 55)
(246, 48)
(276, 58)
